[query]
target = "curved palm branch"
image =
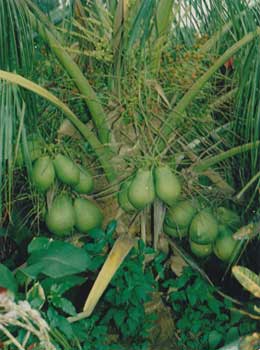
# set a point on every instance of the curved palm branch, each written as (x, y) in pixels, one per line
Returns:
(101, 151)
(44, 28)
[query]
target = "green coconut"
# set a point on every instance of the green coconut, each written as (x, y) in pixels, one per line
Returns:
(174, 232)
(35, 148)
(225, 244)
(203, 228)
(181, 214)
(60, 218)
(167, 185)
(88, 215)
(66, 171)
(227, 217)
(122, 197)
(200, 250)
(141, 190)
(43, 173)
(86, 183)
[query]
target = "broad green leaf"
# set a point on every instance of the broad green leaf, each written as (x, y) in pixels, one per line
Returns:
(39, 243)
(58, 260)
(7, 279)
(62, 284)
(248, 279)
(65, 305)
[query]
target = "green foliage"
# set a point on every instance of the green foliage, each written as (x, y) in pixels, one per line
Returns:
(55, 259)
(125, 299)
(203, 319)
(7, 279)
(94, 335)
(57, 271)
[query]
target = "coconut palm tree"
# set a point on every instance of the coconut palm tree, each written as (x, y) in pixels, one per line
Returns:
(162, 81)
(134, 44)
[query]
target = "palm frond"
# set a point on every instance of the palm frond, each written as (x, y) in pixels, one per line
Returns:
(141, 23)
(15, 37)
(44, 28)
(15, 55)
(245, 18)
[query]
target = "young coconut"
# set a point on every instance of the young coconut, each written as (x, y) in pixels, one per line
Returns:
(43, 173)
(86, 183)
(175, 232)
(66, 171)
(141, 190)
(122, 198)
(204, 228)
(167, 185)
(225, 244)
(181, 214)
(228, 217)
(200, 250)
(35, 147)
(88, 215)
(60, 218)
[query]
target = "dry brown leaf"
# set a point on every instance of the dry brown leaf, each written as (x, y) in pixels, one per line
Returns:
(177, 264)
(118, 253)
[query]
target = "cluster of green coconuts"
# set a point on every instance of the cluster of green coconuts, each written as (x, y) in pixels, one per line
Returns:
(141, 191)
(208, 230)
(64, 214)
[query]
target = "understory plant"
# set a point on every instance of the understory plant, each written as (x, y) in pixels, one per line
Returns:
(56, 288)
(204, 319)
